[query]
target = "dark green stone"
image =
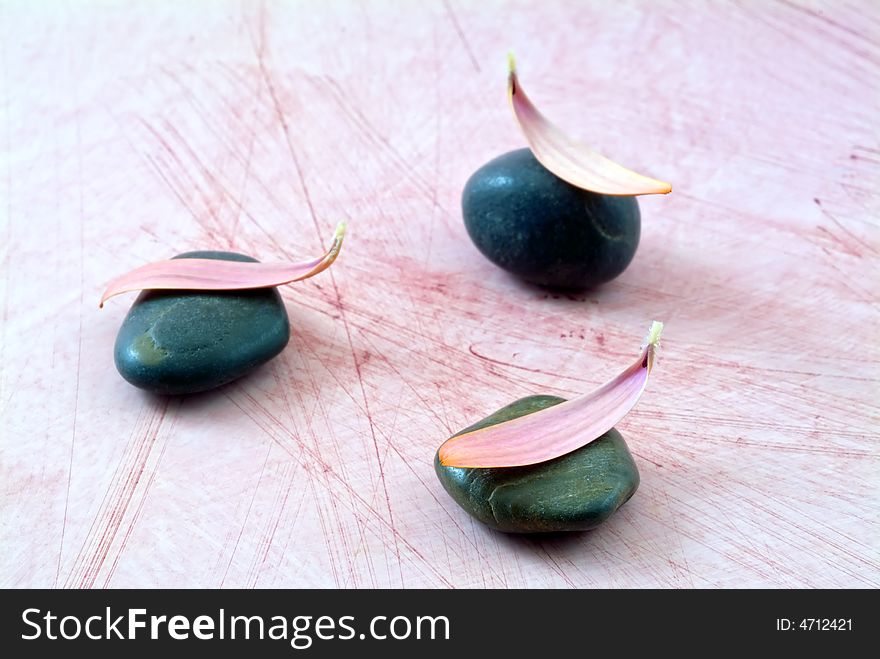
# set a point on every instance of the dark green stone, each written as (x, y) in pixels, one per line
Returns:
(533, 224)
(182, 342)
(575, 492)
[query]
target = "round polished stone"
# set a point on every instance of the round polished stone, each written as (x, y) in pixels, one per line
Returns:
(575, 492)
(182, 342)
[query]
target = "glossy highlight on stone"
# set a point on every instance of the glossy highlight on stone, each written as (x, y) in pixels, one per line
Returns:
(575, 492)
(183, 342)
(533, 224)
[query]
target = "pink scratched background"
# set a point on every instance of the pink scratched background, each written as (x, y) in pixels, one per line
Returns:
(130, 133)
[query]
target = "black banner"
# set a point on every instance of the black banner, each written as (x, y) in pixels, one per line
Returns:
(317, 623)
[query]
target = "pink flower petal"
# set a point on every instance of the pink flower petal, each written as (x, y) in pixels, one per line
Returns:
(216, 275)
(556, 430)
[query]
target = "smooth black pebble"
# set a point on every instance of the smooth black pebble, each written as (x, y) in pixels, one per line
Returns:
(574, 492)
(533, 224)
(182, 342)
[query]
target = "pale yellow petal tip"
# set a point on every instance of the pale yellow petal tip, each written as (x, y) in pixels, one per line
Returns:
(338, 236)
(654, 334)
(511, 62)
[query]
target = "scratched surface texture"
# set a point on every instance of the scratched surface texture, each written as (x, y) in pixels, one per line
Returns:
(131, 133)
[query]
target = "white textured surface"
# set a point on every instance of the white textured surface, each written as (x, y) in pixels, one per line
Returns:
(129, 134)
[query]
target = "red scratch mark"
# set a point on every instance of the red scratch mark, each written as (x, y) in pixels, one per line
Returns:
(500, 362)
(845, 248)
(316, 442)
(856, 156)
(293, 525)
(539, 548)
(375, 137)
(239, 202)
(686, 571)
(484, 558)
(231, 146)
(308, 198)
(872, 566)
(334, 571)
(259, 51)
(734, 555)
(316, 439)
(113, 521)
(646, 459)
(847, 282)
(212, 202)
(429, 408)
(243, 159)
(461, 35)
(7, 243)
(246, 515)
(447, 424)
(275, 516)
(375, 442)
(867, 149)
(82, 223)
(142, 501)
(379, 327)
(276, 425)
(330, 478)
(72, 447)
(117, 501)
(348, 551)
(802, 37)
(153, 164)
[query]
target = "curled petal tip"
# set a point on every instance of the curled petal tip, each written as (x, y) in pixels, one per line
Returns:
(557, 430)
(571, 160)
